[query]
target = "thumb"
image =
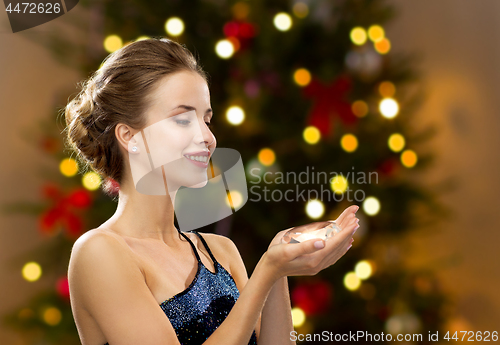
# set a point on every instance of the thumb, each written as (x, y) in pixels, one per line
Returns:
(307, 247)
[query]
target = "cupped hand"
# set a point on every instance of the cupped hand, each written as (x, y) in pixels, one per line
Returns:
(305, 258)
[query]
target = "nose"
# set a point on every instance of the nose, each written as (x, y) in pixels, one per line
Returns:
(207, 137)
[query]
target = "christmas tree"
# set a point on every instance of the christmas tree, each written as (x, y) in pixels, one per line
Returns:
(321, 111)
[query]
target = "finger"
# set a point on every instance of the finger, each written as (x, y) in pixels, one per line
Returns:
(350, 209)
(306, 247)
(347, 219)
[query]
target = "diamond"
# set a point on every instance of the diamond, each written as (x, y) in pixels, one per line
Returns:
(323, 230)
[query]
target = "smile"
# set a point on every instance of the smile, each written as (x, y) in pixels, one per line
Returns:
(202, 159)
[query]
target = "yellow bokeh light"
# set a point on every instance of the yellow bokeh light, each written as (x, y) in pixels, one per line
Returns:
(315, 209)
(339, 184)
(298, 317)
(360, 108)
(32, 271)
(68, 167)
(174, 26)
(363, 269)
(352, 281)
(266, 157)
(371, 206)
(311, 135)
(358, 35)
(349, 142)
(241, 10)
(302, 77)
(91, 180)
(235, 115)
(300, 10)
(383, 46)
(52, 316)
(234, 199)
(389, 108)
(282, 21)
(396, 142)
(141, 38)
(224, 49)
(376, 33)
(386, 89)
(112, 43)
(409, 158)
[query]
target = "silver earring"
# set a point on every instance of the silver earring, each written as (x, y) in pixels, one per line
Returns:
(134, 148)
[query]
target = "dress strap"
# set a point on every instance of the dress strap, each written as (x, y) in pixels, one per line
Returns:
(206, 246)
(192, 245)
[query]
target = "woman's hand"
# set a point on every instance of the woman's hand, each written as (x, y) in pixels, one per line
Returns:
(306, 259)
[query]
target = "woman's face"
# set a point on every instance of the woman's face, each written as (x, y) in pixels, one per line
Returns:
(177, 135)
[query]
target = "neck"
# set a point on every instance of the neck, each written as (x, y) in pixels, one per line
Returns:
(144, 216)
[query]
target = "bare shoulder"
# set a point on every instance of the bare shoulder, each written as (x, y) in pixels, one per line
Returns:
(95, 240)
(90, 252)
(226, 251)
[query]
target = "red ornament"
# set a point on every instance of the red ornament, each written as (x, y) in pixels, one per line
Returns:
(62, 212)
(388, 167)
(329, 100)
(313, 297)
(243, 31)
(80, 198)
(62, 287)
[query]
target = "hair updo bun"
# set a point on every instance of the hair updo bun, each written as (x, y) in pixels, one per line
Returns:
(119, 92)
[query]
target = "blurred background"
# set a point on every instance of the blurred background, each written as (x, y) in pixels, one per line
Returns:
(402, 89)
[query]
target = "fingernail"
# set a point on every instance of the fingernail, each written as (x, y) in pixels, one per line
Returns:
(319, 244)
(352, 240)
(357, 208)
(349, 247)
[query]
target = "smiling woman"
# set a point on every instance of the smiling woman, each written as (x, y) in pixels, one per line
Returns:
(134, 279)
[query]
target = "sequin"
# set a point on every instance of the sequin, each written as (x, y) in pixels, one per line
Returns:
(199, 310)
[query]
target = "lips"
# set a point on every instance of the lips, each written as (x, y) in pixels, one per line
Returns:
(198, 158)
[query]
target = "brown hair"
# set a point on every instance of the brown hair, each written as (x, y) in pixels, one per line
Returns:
(119, 92)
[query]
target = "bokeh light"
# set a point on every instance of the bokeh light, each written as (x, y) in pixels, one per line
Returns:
(235, 115)
(300, 10)
(349, 142)
(376, 33)
(363, 269)
(141, 38)
(383, 46)
(371, 206)
(315, 209)
(267, 156)
(282, 21)
(311, 135)
(240, 10)
(112, 43)
(358, 35)
(352, 281)
(32, 271)
(224, 49)
(52, 316)
(234, 199)
(302, 77)
(389, 108)
(174, 26)
(339, 184)
(298, 317)
(68, 167)
(387, 89)
(91, 180)
(360, 108)
(409, 158)
(396, 142)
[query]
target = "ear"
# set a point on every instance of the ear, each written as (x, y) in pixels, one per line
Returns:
(125, 137)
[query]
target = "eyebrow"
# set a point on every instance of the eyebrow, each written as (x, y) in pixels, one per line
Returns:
(188, 107)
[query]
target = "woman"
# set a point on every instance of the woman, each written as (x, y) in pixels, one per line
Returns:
(122, 271)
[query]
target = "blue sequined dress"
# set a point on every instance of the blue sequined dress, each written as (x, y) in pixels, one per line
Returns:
(196, 312)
